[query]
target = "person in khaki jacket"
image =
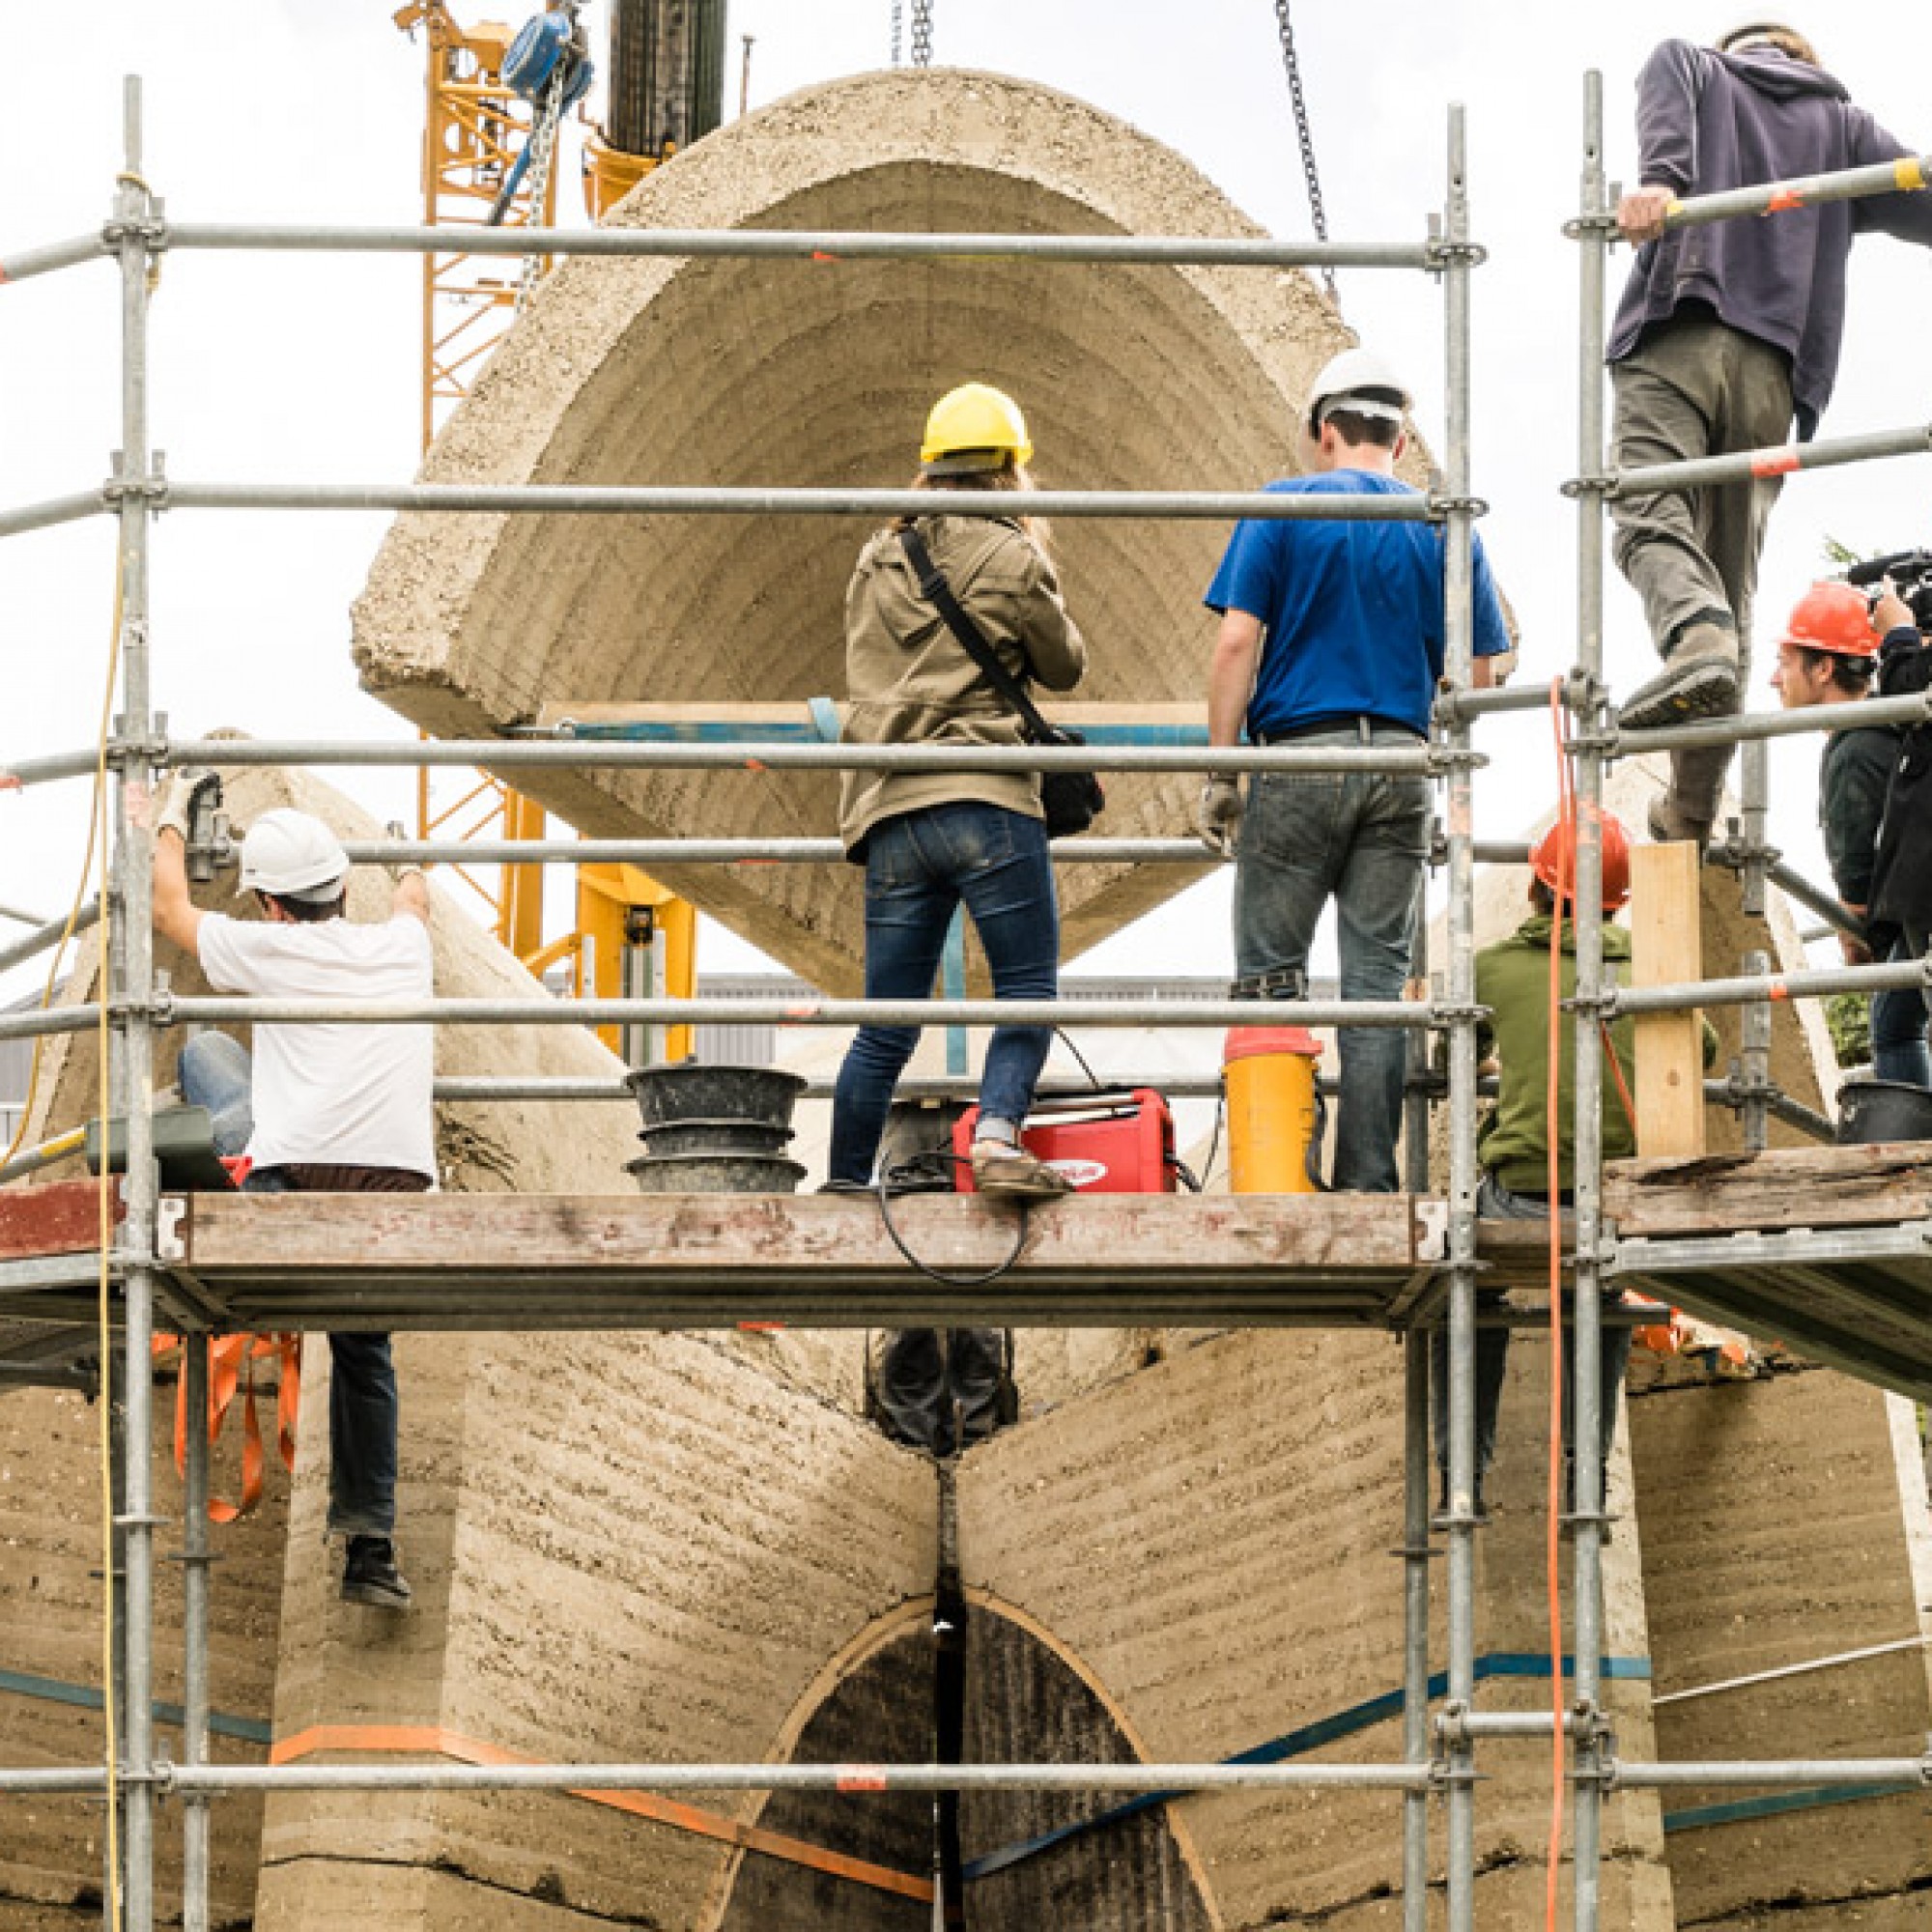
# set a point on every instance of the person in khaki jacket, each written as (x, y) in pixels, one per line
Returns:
(932, 840)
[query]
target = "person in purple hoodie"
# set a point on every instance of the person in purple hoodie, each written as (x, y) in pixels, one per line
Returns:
(1725, 333)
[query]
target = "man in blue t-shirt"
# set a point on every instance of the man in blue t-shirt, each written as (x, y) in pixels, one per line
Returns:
(1332, 634)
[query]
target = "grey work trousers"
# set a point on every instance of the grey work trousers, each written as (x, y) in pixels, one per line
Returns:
(1693, 388)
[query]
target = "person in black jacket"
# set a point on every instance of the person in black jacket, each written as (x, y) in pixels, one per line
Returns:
(1901, 906)
(1828, 655)
(1726, 331)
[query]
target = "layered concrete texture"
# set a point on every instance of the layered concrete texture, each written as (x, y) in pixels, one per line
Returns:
(721, 372)
(1212, 1546)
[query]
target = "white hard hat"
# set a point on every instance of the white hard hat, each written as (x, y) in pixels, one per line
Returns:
(292, 855)
(1348, 375)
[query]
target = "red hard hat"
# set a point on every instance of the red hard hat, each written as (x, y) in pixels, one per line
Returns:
(1554, 862)
(1834, 617)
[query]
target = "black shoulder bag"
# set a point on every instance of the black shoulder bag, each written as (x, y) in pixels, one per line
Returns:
(1070, 800)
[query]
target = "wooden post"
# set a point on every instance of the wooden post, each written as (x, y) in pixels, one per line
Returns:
(1667, 948)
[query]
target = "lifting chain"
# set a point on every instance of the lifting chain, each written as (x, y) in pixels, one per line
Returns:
(898, 33)
(921, 33)
(543, 146)
(1317, 213)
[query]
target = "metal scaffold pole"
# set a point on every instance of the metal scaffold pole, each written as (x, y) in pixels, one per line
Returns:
(196, 1559)
(1586, 1498)
(1459, 659)
(130, 986)
(1415, 1742)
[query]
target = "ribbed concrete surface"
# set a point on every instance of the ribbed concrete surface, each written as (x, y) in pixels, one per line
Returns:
(1212, 1539)
(719, 372)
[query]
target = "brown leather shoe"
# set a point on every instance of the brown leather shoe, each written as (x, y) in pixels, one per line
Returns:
(1000, 1168)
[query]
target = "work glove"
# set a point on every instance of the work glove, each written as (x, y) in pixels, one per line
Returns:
(1218, 822)
(174, 800)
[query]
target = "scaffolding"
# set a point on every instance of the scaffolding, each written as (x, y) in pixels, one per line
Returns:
(1425, 1272)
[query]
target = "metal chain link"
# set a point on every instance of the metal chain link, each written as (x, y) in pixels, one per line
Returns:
(1317, 213)
(921, 33)
(543, 146)
(898, 33)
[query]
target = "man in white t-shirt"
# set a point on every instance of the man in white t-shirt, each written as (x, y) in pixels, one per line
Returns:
(326, 1108)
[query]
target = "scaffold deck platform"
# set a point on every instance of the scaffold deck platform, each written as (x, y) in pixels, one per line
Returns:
(1826, 1249)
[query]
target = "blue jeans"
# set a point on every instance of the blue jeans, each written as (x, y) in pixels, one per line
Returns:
(918, 866)
(215, 1073)
(1362, 840)
(1496, 1202)
(1899, 1028)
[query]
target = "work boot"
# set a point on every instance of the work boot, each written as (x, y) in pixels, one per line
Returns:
(369, 1575)
(1002, 1169)
(1699, 679)
(838, 1187)
(1670, 824)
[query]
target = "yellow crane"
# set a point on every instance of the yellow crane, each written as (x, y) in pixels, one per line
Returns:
(487, 148)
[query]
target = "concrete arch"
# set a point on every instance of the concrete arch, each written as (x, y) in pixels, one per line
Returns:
(730, 371)
(1032, 1724)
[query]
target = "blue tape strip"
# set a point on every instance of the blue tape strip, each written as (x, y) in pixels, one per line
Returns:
(1771, 1803)
(1309, 1737)
(85, 1697)
(824, 719)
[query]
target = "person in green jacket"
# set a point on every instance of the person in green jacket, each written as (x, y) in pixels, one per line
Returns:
(1512, 981)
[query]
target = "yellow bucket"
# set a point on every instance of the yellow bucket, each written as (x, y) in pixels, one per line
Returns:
(1269, 1076)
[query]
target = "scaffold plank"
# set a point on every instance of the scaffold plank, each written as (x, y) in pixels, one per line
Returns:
(1786, 1188)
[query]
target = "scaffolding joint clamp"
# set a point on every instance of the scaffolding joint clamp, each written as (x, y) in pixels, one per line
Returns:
(1439, 254)
(151, 490)
(1443, 505)
(150, 229)
(1604, 483)
(1579, 226)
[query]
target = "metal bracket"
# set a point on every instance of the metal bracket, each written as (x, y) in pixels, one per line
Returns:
(1605, 483)
(1432, 1231)
(148, 228)
(1440, 254)
(1441, 506)
(170, 1226)
(1580, 225)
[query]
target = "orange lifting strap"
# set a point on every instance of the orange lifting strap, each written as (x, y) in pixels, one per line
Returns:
(231, 1366)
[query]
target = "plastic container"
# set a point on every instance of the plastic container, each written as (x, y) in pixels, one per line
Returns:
(1269, 1076)
(714, 1173)
(1883, 1110)
(690, 1091)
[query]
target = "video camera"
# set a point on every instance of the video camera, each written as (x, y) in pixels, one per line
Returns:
(1902, 669)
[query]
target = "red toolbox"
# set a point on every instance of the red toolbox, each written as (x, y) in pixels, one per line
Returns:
(1116, 1143)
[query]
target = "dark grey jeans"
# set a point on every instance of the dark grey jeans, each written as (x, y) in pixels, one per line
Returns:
(1495, 1202)
(1695, 387)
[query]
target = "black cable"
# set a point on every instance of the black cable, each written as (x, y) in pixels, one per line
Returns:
(1066, 1039)
(933, 1164)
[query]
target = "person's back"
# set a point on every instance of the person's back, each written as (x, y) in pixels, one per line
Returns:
(334, 1095)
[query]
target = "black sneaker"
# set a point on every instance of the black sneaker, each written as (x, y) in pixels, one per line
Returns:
(369, 1575)
(844, 1188)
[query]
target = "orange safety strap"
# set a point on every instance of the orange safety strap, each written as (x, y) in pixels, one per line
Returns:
(680, 1817)
(231, 1365)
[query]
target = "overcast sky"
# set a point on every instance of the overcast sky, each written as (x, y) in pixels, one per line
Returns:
(283, 367)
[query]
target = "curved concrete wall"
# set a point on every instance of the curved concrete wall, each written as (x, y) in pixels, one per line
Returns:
(732, 372)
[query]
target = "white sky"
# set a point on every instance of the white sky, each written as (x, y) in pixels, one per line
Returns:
(272, 367)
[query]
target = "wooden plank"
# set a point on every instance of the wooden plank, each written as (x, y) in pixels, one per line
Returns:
(1666, 949)
(1786, 1188)
(1118, 1237)
(62, 1217)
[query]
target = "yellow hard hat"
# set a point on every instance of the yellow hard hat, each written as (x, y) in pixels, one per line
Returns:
(970, 427)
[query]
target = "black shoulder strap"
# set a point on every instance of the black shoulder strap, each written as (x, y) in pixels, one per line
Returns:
(938, 593)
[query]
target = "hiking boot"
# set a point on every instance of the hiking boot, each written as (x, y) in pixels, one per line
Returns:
(369, 1575)
(1002, 1169)
(1670, 824)
(1699, 679)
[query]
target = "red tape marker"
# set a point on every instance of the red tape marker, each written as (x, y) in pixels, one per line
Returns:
(861, 1777)
(823, 255)
(1785, 199)
(1780, 462)
(1780, 990)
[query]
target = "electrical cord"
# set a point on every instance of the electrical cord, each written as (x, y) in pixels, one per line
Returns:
(925, 1169)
